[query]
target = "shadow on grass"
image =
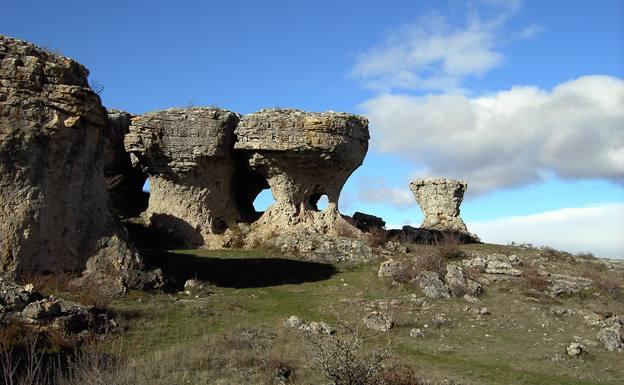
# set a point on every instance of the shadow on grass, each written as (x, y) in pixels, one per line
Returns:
(237, 272)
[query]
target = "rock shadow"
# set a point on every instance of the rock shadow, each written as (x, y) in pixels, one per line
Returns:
(237, 273)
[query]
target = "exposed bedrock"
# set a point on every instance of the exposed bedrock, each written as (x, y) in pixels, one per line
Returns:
(303, 156)
(187, 152)
(54, 209)
(439, 200)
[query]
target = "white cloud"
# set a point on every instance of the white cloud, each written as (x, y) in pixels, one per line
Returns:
(598, 229)
(508, 138)
(431, 54)
(376, 191)
(530, 31)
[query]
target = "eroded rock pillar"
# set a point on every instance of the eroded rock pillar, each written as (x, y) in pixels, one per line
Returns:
(188, 155)
(303, 156)
(439, 199)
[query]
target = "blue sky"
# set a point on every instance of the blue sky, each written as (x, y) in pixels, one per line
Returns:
(524, 100)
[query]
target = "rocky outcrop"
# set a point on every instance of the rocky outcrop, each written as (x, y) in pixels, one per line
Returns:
(367, 222)
(187, 152)
(54, 208)
(439, 200)
(303, 156)
(23, 307)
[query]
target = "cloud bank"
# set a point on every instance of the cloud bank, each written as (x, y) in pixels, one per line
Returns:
(597, 229)
(508, 138)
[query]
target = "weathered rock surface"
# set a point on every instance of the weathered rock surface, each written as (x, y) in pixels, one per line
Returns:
(54, 208)
(30, 309)
(378, 321)
(187, 152)
(431, 285)
(391, 268)
(366, 222)
(316, 327)
(303, 156)
(439, 200)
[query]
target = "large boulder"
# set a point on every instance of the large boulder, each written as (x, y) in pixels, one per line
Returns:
(54, 209)
(187, 153)
(303, 156)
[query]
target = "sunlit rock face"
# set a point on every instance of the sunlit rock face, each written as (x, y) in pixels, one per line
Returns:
(439, 200)
(187, 153)
(54, 208)
(303, 156)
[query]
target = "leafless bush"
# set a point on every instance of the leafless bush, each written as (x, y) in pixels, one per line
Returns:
(94, 366)
(447, 247)
(341, 358)
(376, 237)
(47, 283)
(606, 282)
(23, 363)
(533, 280)
(550, 253)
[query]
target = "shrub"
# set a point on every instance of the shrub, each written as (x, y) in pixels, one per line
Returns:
(341, 359)
(533, 280)
(447, 247)
(376, 237)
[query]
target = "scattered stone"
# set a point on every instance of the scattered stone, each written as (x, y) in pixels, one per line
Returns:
(575, 349)
(515, 260)
(295, 322)
(499, 264)
(378, 321)
(390, 268)
(44, 308)
(562, 284)
(193, 285)
(431, 285)
(477, 263)
(561, 312)
(416, 333)
(455, 280)
(283, 375)
(471, 299)
(584, 341)
(473, 287)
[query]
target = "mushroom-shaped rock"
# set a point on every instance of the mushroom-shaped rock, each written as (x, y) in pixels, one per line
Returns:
(303, 156)
(54, 209)
(187, 152)
(439, 200)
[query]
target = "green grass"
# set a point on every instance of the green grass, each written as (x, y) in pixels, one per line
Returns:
(510, 346)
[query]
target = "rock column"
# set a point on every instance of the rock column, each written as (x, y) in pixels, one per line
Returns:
(439, 200)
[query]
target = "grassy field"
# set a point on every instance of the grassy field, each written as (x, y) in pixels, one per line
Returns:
(230, 332)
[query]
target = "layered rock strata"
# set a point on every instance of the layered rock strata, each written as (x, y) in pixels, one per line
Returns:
(187, 154)
(303, 156)
(439, 200)
(54, 208)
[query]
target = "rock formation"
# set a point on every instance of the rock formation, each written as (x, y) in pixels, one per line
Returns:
(303, 156)
(188, 155)
(54, 209)
(439, 200)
